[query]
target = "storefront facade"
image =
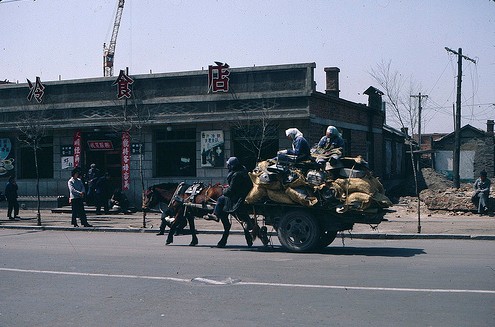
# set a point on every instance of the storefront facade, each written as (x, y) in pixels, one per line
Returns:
(175, 126)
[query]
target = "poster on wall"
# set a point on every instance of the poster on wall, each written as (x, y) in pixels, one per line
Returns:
(212, 149)
(6, 159)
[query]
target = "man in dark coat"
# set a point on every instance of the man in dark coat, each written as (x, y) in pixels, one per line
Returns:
(11, 196)
(102, 193)
(239, 185)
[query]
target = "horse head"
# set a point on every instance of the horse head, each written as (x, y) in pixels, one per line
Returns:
(156, 194)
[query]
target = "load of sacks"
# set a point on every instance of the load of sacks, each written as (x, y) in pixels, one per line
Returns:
(346, 184)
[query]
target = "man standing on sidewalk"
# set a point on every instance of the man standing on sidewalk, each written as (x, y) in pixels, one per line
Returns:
(76, 199)
(11, 196)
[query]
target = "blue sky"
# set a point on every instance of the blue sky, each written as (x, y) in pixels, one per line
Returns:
(64, 39)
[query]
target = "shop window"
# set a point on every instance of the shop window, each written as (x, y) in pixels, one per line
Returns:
(251, 144)
(175, 153)
(26, 163)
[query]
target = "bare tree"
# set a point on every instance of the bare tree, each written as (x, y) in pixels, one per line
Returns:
(393, 84)
(32, 128)
(257, 126)
(135, 117)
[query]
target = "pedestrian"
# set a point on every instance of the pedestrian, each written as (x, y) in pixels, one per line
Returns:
(239, 185)
(91, 177)
(481, 192)
(102, 193)
(11, 196)
(120, 200)
(76, 198)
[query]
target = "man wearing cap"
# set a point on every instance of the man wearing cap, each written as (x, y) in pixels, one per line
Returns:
(239, 185)
(482, 192)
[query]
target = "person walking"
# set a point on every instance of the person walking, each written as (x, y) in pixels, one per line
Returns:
(11, 196)
(102, 193)
(76, 198)
(481, 192)
(92, 176)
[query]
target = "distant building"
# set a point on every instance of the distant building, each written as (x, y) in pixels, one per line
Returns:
(477, 152)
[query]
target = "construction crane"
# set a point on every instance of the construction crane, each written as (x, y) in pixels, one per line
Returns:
(109, 52)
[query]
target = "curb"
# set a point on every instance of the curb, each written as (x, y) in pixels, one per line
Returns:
(387, 236)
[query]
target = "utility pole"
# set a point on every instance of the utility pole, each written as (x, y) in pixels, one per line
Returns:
(457, 127)
(420, 97)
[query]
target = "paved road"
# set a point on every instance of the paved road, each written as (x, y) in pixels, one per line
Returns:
(59, 278)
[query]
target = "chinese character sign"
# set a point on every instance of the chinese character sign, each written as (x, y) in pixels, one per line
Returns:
(77, 148)
(218, 77)
(37, 90)
(123, 83)
(100, 145)
(212, 149)
(126, 161)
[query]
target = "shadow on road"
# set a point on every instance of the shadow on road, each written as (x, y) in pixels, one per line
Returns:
(373, 251)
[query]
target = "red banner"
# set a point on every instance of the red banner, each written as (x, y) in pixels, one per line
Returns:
(126, 160)
(77, 148)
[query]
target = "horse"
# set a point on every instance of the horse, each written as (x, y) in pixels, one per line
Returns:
(197, 200)
(157, 195)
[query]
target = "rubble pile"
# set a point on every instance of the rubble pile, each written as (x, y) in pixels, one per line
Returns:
(350, 186)
(441, 194)
(450, 199)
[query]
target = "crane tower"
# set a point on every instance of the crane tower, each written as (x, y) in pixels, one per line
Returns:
(109, 51)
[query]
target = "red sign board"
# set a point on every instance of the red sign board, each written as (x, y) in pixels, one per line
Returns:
(100, 145)
(77, 148)
(126, 161)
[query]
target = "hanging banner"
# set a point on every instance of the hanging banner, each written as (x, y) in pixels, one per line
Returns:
(77, 148)
(212, 149)
(126, 160)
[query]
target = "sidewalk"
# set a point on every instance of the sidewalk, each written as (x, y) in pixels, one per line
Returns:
(400, 224)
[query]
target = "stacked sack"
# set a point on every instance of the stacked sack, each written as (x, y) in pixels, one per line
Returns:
(340, 188)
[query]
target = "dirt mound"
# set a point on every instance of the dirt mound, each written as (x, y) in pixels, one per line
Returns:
(435, 180)
(450, 199)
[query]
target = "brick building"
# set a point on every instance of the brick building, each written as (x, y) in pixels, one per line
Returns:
(183, 126)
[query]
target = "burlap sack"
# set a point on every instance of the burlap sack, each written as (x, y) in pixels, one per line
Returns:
(299, 181)
(358, 200)
(352, 185)
(376, 184)
(255, 178)
(337, 190)
(382, 200)
(301, 196)
(262, 165)
(279, 197)
(256, 194)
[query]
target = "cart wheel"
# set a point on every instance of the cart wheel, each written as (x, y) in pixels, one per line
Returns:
(326, 238)
(298, 231)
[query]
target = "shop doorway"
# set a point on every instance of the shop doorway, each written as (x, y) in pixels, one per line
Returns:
(105, 151)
